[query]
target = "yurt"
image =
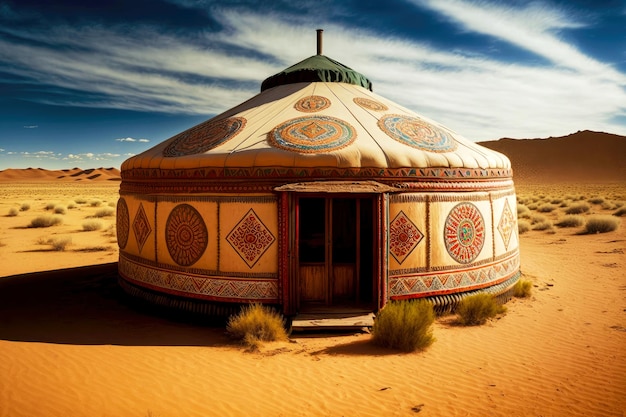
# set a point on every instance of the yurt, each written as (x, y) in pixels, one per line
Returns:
(316, 193)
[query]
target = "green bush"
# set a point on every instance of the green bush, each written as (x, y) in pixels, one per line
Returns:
(45, 221)
(522, 288)
(476, 309)
(404, 325)
(256, 323)
(571, 220)
(577, 208)
(601, 224)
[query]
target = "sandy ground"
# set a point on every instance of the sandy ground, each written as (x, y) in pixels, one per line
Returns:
(71, 344)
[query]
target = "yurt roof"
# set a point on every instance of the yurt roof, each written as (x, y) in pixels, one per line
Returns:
(317, 114)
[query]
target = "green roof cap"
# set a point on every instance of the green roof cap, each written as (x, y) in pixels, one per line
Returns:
(318, 68)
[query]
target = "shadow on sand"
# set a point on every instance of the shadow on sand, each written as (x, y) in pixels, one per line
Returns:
(85, 306)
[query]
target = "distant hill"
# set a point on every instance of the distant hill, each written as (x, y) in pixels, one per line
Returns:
(65, 175)
(582, 157)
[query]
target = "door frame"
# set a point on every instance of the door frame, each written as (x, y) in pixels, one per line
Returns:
(288, 268)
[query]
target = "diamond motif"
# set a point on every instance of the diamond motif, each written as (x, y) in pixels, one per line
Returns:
(506, 225)
(141, 227)
(313, 130)
(404, 236)
(250, 238)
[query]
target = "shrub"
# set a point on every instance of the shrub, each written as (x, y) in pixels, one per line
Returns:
(537, 218)
(91, 226)
(12, 212)
(112, 204)
(71, 205)
(60, 244)
(106, 212)
(81, 200)
(95, 203)
(546, 208)
(571, 220)
(45, 221)
(596, 200)
(556, 201)
(543, 225)
(577, 208)
(404, 325)
(532, 206)
(522, 226)
(50, 206)
(522, 288)
(60, 209)
(256, 323)
(521, 209)
(25, 207)
(476, 309)
(601, 224)
(621, 212)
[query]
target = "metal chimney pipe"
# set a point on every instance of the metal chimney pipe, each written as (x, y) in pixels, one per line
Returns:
(319, 41)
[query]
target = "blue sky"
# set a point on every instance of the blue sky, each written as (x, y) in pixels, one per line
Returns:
(89, 84)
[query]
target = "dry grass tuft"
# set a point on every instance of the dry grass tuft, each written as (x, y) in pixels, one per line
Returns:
(95, 203)
(601, 224)
(596, 200)
(91, 226)
(45, 221)
(404, 325)
(256, 323)
(60, 210)
(50, 206)
(58, 244)
(523, 226)
(578, 208)
(105, 212)
(620, 212)
(543, 225)
(571, 220)
(476, 309)
(12, 212)
(522, 288)
(546, 208)
(25, 207)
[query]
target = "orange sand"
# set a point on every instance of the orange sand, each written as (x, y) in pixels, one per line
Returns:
(72, 346)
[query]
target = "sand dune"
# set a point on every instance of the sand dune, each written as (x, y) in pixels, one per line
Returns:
(72, 344)
(586, 156)
(74, 174)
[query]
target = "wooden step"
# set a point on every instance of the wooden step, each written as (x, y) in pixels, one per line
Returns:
(332, 321)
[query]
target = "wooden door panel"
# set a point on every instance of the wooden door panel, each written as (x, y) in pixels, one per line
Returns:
(313, 282)
(344, 281)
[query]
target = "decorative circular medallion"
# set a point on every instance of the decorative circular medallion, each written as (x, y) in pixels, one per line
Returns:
(464, 232)
(205, 136)
(186, 235)
(311, 104)
(123, 223)
(417, 133)
(370, 104)
(312, 134)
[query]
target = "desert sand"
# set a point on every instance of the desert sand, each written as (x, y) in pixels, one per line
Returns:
(72, 345)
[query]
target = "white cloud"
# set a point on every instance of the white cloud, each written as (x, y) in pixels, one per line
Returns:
(478, 96)
(31, 127)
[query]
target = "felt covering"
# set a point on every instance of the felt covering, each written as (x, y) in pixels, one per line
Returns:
(314, 69)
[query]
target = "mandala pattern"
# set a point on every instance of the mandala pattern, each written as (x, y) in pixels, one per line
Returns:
(312, 104)
(404, 236)
(250, 238)
(204, 136)
(464, 232)
(186, 235)
(141, 227)
(312, 134)
(369, 104)
(123, 223)
(416, 133)
(507, 224)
